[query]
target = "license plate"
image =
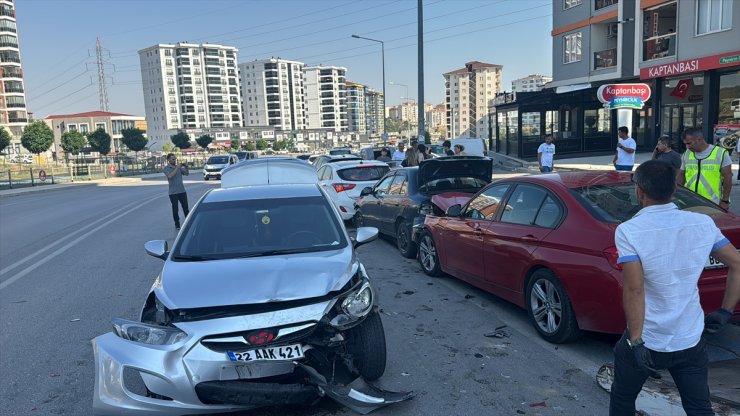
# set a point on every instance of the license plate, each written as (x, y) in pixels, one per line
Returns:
(713, 263)
(282, 353)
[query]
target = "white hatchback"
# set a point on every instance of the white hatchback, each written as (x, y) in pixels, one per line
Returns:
(343, 182)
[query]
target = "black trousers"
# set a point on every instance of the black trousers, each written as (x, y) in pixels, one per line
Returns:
(687, 367)
(183, 199)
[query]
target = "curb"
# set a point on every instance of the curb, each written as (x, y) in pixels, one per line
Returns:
(10, 193)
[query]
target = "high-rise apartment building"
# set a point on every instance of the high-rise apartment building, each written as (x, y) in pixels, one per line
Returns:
(364, 109)
(189, 86)
(273, 94)
(530, 83)
(13, 114)
(326, 100)
(469, 92)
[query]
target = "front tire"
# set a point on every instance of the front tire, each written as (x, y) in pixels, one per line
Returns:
(428, 255)
(205, 178)
(406, 247)
(549, 308)
(366, 342)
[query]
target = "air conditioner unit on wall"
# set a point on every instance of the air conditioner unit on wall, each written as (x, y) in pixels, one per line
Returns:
(613, 30)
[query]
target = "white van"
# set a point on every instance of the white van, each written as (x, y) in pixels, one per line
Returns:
(473, 147)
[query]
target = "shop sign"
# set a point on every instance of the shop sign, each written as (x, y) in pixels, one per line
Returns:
(623, 95)
(727, 135)
(691, 65)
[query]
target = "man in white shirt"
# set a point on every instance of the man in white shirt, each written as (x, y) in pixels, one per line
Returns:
(663, 251)
(624, 159)
(546, 154)
(399, 154)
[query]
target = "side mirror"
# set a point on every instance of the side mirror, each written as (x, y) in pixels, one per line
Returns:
(365, 235)
(157, 248)
(366, 191)
(454, 210)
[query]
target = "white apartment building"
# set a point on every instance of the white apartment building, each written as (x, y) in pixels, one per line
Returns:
(435, 117)
(189, 86)
(375, 102)
(273, 94)
(326, 101)
(13, 114)
(530, 83)
(364, 109)
(469, 91)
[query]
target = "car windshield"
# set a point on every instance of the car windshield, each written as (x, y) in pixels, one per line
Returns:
(437, 149)
(618, 203)
(340, 151)
(241, 155)
(218, 160)
(363, 173)
(251, 228)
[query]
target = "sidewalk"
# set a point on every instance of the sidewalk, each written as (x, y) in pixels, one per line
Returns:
(8, 193)
(597, 162)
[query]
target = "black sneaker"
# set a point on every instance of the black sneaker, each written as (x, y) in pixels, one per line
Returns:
(177, 227)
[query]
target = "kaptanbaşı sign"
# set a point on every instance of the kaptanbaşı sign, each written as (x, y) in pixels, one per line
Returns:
(623, 95)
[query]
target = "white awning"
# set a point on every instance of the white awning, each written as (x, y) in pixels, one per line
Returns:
(571, 88)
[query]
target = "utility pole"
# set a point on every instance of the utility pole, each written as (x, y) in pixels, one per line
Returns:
(420, 54)
(103, 92)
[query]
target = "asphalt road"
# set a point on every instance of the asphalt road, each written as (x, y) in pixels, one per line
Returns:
(71, 260)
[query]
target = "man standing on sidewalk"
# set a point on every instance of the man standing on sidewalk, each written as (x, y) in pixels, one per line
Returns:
(546, 154)
(706, 169)
(624, 159)
(664, 152)
(176, 187)
(660, 295)
(399, 154)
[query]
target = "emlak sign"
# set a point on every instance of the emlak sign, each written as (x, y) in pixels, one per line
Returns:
(623, 95)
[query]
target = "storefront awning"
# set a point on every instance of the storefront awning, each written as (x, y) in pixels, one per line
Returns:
(571, 88)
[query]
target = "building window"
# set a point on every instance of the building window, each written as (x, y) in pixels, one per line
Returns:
(572, 48)
(567, 4)
(729, 102)
(600, 4)
(100, 126)
(84, 128)
(713, 16)
(71, 127)
(659, 33)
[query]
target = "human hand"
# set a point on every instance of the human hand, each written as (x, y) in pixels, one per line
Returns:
(644, 361)
(724, 205)
(715, 321)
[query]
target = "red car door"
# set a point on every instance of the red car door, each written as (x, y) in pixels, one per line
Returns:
(462, 237)
(529, 216)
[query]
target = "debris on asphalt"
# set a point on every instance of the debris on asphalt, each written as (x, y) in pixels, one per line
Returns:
(53, 374)
(469, 296)
(426, 308)
(405, 374)
(521, 412)
(538, 404)
(478, 355)
(499, 332)
(409, 292)
(75, 320)
(384, 312)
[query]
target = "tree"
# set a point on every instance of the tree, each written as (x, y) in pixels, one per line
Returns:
(278, 145)
(73, 142)
(250, 146)
(262, 144)
(181, 140)
(203, 141)
(427, 136)
(99, 141)
(235, 146)
(4, 139)
(134, 139)
(168, 147)
(37, 137)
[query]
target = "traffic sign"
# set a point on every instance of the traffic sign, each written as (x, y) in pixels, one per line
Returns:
(42, 175)
(112, 169)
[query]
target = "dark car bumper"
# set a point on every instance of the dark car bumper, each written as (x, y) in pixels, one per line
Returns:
(417, 227)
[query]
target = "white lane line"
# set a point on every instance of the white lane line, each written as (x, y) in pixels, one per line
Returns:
(69, 245)
(67, 237)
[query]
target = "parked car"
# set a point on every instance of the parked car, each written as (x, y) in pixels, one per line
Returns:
(473, 147)
(261, 301)
(340, 151)
(344, 180)
(216, 164)
(401, 198)
(324, 159)
(372, 153)
(246, 155)
(19, 158)
(304, 157)
(546, 244)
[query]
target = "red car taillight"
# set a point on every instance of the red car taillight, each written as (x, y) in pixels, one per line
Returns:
(612, 255)
(341, 187)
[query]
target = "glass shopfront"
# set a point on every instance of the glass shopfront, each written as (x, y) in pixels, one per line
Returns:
(729, 98)
(682, 105)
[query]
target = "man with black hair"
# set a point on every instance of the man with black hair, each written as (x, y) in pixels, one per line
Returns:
(705, 168)
(176, 190)
(447, 147)
(663, 251)
(624, 159)
(664, 152)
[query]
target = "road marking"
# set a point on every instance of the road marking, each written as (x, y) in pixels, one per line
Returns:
(67, 237)
(72, 243)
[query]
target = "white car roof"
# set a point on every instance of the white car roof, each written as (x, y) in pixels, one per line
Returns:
(268, 171)
(355, 163)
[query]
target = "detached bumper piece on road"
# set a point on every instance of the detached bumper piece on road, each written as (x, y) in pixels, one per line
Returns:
(196, 375)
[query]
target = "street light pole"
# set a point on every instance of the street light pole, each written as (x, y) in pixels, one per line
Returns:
(382, 52)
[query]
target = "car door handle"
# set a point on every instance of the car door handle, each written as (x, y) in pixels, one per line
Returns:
(478, 232)
(530, 237)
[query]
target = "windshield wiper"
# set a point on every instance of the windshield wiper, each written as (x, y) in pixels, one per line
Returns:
(274, 252)
(193, 258)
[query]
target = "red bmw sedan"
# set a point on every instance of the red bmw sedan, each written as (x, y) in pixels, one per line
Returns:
(546, 243)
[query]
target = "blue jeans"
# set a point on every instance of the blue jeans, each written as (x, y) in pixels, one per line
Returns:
(687, 367)
(627, 168)
(546, 169)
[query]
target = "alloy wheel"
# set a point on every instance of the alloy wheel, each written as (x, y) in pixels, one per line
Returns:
(546, 305)
(427, 253)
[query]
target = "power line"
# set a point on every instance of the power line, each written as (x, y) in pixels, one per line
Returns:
(64, 83)
(74, 102)
(55, 77)
(67, 96)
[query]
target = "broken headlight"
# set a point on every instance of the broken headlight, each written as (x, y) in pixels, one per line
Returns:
(146, 333)
(355, 306)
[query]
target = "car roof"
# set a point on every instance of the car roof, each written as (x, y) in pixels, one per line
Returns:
(573, 180)
(223, 154)
(340, 157)
(243, 193)
(354, 163)
(268, 171)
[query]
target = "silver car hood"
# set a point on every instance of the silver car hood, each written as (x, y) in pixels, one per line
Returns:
(185, 285)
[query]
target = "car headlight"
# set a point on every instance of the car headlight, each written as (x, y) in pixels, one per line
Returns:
(146, 333)
(357, 304)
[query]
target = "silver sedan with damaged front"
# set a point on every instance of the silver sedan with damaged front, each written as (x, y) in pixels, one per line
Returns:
(262, 301)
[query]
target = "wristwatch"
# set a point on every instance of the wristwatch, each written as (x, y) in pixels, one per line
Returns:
(725, 201)
(635, 343)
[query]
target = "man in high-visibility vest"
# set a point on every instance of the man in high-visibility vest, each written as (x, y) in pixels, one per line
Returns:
(705, 169)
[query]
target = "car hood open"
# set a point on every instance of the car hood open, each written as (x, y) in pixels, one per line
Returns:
(256, 280)
(453, 167)
(448, 199)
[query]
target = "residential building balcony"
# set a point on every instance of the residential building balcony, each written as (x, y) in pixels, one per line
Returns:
(605, 59)
(600, 4)
(10, 57)
(7, 11)
(659, 47)
(17, 120)
(12, 72)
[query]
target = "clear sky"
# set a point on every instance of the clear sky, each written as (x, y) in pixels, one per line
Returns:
(57, 39)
